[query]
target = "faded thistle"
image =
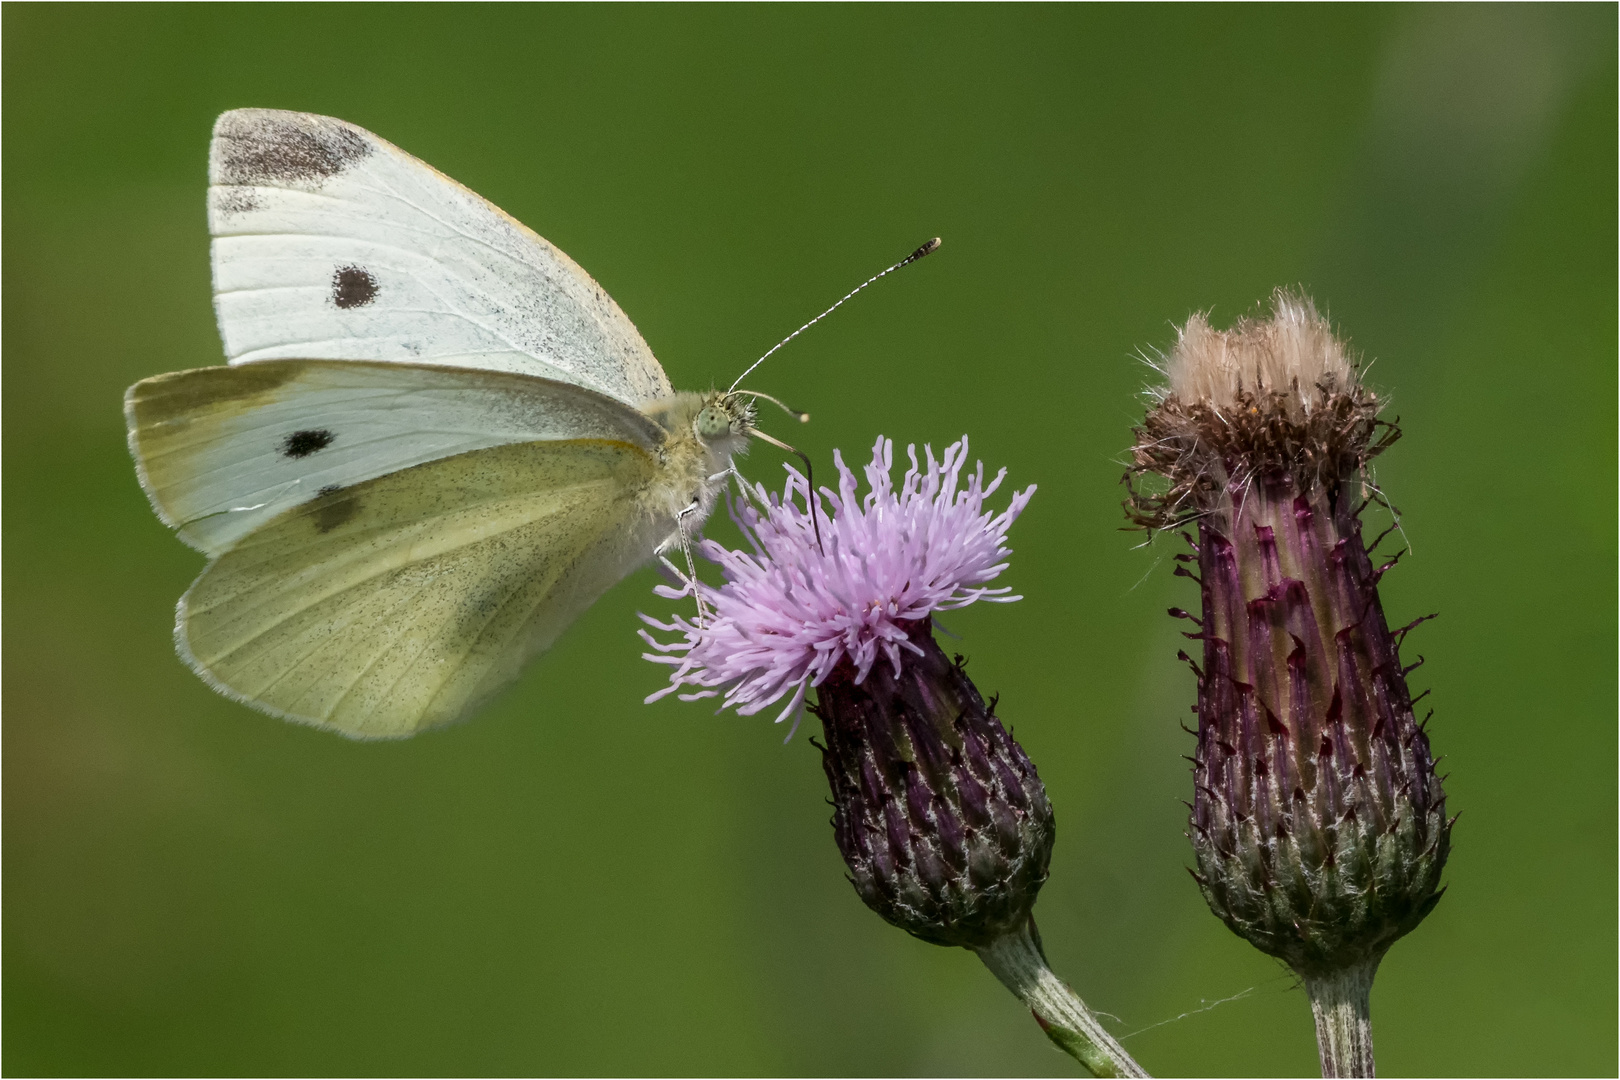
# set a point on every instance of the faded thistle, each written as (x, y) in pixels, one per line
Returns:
(1318, 822)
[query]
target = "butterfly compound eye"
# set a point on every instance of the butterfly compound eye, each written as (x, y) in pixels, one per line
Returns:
(711, 423)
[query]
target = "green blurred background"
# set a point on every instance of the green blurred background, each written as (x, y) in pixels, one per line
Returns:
(578, 883)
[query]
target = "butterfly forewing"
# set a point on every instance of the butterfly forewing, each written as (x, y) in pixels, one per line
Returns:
(331, 243)
(403, 602)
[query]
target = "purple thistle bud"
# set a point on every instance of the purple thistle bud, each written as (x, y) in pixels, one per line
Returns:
(940, 816)
(1318, 821)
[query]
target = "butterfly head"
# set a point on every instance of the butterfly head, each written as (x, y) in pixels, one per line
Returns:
(714, 427)
(731, 415)
(723, 417)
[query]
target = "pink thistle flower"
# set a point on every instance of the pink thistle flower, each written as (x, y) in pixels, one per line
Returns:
(791, 609)
(941, 817)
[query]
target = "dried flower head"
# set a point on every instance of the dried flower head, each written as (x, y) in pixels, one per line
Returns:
(1293, 351)
(1267, 397)
(1318, 820)
(793, 609)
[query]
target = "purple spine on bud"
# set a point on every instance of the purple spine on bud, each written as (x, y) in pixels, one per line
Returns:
(1318, 821)
(940, 816)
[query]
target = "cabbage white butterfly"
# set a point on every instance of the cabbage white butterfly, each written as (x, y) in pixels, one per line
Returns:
(436, 442)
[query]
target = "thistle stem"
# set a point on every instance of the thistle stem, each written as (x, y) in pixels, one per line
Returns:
(1018, 961)
(1341, 1003)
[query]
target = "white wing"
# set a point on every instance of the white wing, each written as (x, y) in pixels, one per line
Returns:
(404, 602)
(333, 244)
(222, 450)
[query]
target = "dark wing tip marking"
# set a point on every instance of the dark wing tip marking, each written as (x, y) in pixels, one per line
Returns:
(353, 286)
(235, 200)
(276, 149)
(304, 443)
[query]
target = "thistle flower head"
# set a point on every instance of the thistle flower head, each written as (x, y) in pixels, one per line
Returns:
(794, 607)
(1318, 820)
(1268, 397)
(939, 814)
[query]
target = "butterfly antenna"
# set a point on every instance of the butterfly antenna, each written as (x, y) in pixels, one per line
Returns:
(798, 414)
(809, 479)
(926, 250)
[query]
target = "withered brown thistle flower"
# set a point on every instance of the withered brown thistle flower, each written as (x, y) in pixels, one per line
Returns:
(1318, 821)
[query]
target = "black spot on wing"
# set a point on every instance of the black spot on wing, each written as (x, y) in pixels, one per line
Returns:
(267, 147)
(304, 443)
(353, 286)
(331, 511)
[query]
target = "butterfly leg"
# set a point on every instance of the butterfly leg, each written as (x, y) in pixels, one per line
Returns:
(691, 563)
(729, 473)
(675, 572)
(688, 580)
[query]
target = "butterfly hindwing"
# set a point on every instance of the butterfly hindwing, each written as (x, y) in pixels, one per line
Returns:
(331, 243)
(403, 602)
(223, 450)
